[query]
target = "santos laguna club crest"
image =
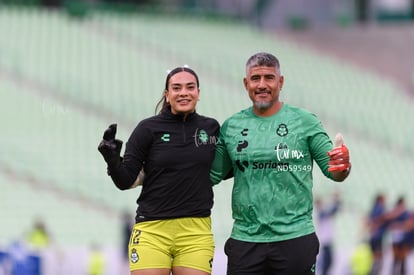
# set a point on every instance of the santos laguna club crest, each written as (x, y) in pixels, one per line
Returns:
(134, 256)
(282, 130)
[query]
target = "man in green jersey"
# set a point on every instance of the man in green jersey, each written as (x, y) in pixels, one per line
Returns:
(271, 148)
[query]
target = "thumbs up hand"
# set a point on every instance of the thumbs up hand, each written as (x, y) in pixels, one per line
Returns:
(339, 156)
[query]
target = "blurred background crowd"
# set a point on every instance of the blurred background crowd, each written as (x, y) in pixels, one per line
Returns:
(69, 68)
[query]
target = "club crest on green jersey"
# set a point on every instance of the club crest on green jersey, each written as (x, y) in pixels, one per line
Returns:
(282, 130)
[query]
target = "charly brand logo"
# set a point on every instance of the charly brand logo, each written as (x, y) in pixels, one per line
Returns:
(165, 137)
(201, 137)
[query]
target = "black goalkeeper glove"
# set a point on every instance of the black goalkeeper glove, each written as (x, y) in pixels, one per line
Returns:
(110, 148)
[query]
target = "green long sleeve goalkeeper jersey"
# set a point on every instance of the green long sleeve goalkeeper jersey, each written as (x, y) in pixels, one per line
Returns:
(272, 158)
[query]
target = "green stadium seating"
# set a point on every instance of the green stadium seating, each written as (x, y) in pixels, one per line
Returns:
(63, 81)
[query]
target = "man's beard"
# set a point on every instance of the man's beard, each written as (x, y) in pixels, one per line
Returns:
(263, 105)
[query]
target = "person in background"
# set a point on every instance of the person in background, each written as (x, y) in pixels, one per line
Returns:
(325, 230)
(408, 229)
(38, 238)
(377, 230)
(272, 147)
(175, 148)
(361, 259)
(97, 262)
(395, 220)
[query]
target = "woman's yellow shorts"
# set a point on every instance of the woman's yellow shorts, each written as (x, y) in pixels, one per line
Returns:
(185, 242)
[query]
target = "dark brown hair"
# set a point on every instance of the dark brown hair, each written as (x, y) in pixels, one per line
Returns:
(163, 101)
